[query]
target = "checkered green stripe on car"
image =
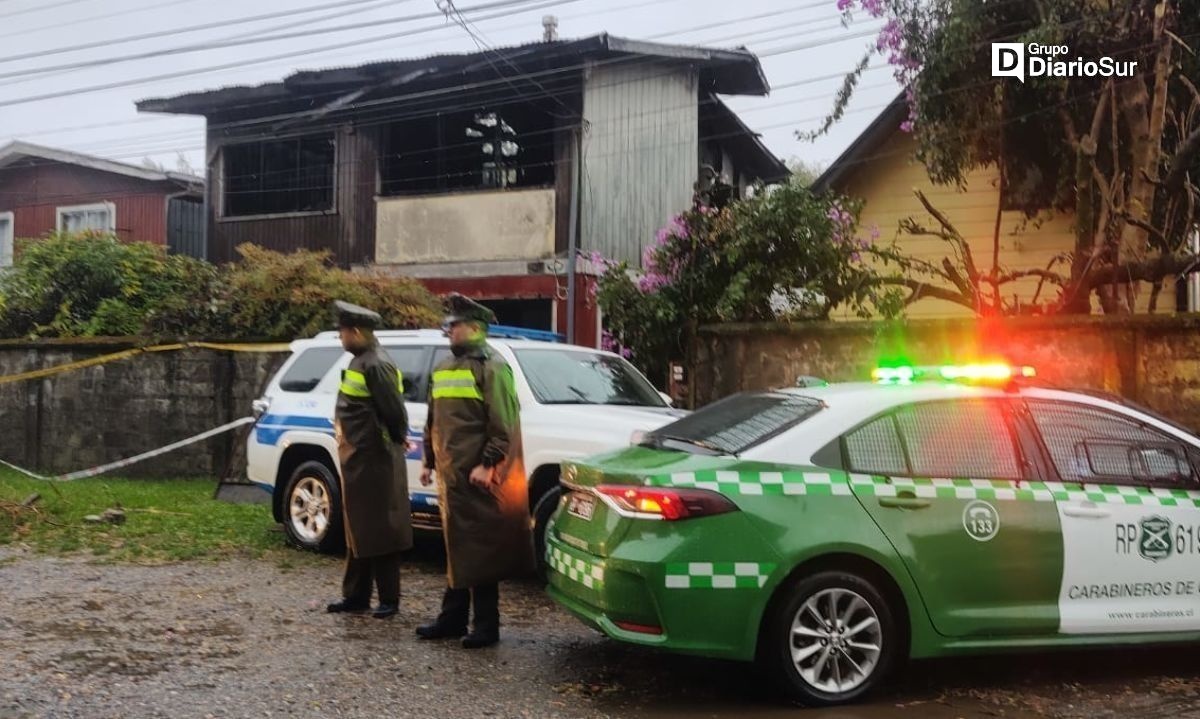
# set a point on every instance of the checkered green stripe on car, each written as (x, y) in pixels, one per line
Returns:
(764, 483)
(718, 575)
(577, 569)
(1026, 491)
(794, 482)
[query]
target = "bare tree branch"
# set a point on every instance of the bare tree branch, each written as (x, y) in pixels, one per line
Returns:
(1046, 276)
(1098, 117)
(1182, 162)
(1150, 270)
(1146, 226)
(955, 235)
(921, 290)
(1068, 126)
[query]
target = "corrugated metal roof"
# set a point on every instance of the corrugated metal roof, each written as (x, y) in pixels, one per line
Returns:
(727, 71)
(18, 150)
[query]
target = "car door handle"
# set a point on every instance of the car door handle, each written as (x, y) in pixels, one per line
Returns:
(904, 500)
(1087, 510)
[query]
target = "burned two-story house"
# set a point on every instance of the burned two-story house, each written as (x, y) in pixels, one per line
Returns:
(483, 172)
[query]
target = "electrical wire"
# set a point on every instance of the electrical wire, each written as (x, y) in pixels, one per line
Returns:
(177, 31)
(253, 39)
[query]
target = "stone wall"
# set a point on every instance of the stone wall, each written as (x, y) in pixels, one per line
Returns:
(1151, 360)
(94, 415)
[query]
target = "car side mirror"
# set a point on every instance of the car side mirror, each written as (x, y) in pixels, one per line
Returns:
(667, 398)
(259, 407)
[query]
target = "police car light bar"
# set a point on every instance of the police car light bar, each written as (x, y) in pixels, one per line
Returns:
(985, 372)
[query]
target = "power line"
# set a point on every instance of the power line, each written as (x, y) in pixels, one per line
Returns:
(773, 52)
(449, 8)
(550, 72)
(179, 31)
(438, 92)
(227, 66)
(178, 118)
(40, 8)
(993, 125)
(146, 119)
(43, 73)
(92, 18)
(330, 55)
(523, 137)
(253, 40)
(727, 23)
(437, 106)
(176, 75)
(500, 101)
(948, 91)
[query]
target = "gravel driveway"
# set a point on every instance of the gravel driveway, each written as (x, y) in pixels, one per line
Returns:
(249, 638)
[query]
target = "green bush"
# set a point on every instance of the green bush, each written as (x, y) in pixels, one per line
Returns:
(275, 295)
(92, 284)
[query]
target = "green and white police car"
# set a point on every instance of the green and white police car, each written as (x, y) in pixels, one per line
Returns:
(831, 532)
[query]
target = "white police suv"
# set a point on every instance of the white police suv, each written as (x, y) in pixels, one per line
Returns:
(575, 401)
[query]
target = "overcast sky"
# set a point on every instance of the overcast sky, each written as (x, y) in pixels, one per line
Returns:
(104, 122)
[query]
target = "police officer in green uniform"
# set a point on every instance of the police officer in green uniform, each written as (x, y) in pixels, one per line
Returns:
(473, 441)
(371, 426)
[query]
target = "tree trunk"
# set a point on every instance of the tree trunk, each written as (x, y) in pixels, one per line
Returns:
(1145, 115)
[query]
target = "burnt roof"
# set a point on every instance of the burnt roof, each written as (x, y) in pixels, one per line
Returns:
(727, 71)
(719, 122)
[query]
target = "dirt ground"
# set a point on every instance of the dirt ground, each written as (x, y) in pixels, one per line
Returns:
(249, 638)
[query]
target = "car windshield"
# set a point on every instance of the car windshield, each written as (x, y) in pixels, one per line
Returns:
(562, 376)
(735, 424)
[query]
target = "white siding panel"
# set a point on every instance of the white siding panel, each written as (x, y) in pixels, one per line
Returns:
(640, 154)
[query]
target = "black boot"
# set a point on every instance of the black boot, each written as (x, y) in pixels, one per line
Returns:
(385, 610)
(348, 606)
(452, 621)
(486, 629)
(437, 630)
(480, 639)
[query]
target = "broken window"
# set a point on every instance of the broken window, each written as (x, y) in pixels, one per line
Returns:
(482, 148)
(279, 176)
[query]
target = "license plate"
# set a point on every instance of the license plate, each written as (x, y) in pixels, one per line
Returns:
(582, 506)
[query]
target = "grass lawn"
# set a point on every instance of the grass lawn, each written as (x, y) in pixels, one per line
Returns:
(166, 520)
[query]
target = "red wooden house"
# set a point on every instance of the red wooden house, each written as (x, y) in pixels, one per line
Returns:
(44, 189)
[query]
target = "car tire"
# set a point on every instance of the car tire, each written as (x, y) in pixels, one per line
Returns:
(830, 639)
(542, 512)
(312, 509)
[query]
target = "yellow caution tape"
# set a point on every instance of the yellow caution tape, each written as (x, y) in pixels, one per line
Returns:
(234, 347)
(125, 354)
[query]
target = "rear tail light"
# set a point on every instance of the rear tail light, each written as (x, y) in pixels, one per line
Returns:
(668, 504)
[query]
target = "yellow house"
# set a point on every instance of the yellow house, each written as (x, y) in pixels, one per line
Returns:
(880, 168)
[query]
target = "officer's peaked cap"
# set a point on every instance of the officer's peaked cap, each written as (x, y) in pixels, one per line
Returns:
(464, 309)
(351, 315)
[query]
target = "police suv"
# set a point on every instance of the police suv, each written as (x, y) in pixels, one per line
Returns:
(575, 401)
